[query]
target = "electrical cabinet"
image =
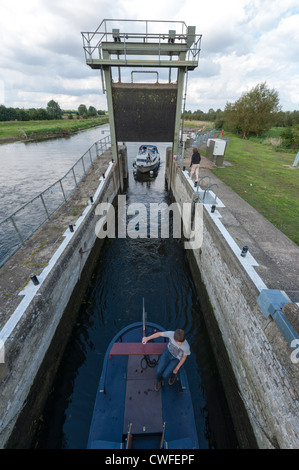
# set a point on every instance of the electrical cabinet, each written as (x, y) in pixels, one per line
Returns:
(216, 150)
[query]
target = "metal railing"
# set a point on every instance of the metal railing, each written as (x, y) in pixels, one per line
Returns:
(193, 142)
(24, 222)
(108, 31)
(145, 71)
(204, 137)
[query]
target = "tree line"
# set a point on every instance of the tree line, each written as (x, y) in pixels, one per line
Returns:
(52, 111)
(253, 114)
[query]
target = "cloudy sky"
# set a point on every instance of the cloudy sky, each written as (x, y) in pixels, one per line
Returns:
(244, 42)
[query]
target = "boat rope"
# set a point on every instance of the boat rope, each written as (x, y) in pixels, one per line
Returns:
(148, 362)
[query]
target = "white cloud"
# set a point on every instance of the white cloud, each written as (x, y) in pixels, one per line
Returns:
(282, 42)
(244, 42)
(2, 91)
(258, 44)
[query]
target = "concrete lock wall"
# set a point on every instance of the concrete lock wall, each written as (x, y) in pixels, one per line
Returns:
(253, 357)
(35, 347)
(144, 112)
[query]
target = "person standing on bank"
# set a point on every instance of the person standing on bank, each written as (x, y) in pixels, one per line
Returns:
(172, 358)
(195, 161)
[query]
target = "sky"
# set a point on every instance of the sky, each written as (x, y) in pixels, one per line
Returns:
(244, 43)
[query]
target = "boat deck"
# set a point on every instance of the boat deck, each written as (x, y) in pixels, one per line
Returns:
(126, 396)
(143, 405)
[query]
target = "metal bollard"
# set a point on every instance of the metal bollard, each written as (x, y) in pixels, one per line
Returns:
(244, 251)
(34, 279)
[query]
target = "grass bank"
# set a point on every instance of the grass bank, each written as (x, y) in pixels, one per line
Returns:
(265, 178)
(197, 124)
(12, 131)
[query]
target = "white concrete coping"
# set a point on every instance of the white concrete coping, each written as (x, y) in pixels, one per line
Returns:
(31, 290)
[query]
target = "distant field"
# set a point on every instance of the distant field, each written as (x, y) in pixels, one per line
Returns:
(263, 177)
(13, 129)
(197, 124)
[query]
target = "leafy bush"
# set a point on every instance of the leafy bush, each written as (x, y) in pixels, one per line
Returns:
(290, 137)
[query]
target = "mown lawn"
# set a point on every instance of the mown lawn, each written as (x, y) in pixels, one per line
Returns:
(12, 129)
(262, 177)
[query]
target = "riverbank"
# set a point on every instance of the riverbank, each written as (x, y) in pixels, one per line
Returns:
(36, 131)
(266, 179)
(263, 175)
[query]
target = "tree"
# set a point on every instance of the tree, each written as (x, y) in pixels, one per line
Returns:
(39, 114)
(92, 111)
(290, 137)
(53, 110)
(2, 112)
(287, 137)
(23, 115)
(82, 110)
(253, 112)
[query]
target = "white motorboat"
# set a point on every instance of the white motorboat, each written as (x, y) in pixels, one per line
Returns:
(147, 159)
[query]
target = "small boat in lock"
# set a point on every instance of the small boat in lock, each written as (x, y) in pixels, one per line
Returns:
(129, 413)
(147, 159)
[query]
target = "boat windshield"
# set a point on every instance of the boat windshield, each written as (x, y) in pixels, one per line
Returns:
(147, 149)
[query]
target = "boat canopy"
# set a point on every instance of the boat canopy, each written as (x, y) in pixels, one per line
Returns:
(144, 148)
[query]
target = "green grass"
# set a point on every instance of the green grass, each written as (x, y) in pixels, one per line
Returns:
(197, 124)
(12, 129)
(261, 176)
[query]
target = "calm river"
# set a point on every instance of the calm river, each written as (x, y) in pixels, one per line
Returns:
(29, 168)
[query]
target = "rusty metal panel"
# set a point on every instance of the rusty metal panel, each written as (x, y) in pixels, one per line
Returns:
(144, 112)
(137, 348)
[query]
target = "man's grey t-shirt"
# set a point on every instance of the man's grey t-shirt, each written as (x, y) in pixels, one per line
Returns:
(176, 350)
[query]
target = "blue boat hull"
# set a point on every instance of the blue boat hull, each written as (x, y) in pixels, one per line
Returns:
(129, 413)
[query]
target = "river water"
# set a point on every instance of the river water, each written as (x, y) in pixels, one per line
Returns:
(29, 168)
(127, 270)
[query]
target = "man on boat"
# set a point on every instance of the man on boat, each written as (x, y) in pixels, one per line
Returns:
(173, 356)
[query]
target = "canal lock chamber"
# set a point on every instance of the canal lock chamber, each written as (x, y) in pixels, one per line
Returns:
(108, 296)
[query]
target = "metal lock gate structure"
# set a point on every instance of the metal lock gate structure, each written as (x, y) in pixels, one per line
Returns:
(143, 111)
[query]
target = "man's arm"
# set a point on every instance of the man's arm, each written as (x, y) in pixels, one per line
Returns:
(145, 339)
(175, 371)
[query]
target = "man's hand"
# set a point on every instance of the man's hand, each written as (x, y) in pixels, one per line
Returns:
(144, 340)
(177, 368)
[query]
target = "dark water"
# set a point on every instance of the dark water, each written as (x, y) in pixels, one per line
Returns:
(128, 270)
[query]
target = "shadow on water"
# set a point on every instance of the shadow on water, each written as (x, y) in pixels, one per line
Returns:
(127, 270)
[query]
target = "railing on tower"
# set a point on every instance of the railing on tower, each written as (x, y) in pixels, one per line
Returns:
(143, 32)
